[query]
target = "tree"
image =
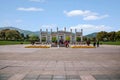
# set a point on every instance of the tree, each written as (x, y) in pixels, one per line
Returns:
(33, 37)
(102, 36)
(68, 38)
(27, 37)
(12, 35)
(111, 36)
(78, 39)
(118, 35)
(94, 39)
(3, 34)
(84, 38)
(54, 39)
(22, 36)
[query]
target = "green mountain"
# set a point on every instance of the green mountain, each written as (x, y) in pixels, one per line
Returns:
(92, 35)
(25, 32)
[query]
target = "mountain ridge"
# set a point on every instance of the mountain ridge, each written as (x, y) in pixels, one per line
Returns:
(91, 35)
(27, 32)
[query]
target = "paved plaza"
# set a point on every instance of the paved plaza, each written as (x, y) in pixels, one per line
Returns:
(19, 63)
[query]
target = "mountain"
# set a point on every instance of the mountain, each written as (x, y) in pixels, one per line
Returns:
(92, 35)
(26, 32)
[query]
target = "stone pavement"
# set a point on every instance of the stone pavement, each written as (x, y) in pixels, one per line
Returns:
(19, 63)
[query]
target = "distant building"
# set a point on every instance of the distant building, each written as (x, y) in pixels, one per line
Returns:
(61, 35)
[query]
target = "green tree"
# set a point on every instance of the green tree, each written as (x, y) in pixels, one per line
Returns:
(78, 39)
(84, 38)
(118, 35)
(22, 37)
(111, 36)
(12, 35)
(102, 36)
(27, 37)
(68, 38)
(54, 39)
(33, 37)
(3, 34)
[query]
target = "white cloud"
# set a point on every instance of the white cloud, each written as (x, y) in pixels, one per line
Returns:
(94, 17)
(87, 15)
(41, 1)
(74, 13)
(89, 28)
(30, 9)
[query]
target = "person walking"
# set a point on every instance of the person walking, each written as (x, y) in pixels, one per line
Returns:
(98, 43)
(94, 43)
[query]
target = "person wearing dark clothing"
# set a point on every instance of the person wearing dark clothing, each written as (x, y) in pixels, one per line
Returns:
(88, 42)
(97, 43)
(94, 43)
(66, 44)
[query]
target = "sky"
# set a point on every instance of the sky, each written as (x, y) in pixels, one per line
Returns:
(89, 15)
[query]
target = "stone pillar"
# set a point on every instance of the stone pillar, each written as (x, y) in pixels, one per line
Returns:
(46, 35)
(81, 35)
(71, 36)
(75, 34)
(57, 35)
(51, 36)
(40, 35)
(64, 33)
(65, 29)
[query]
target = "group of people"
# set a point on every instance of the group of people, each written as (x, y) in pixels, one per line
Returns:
(66, 44)
(88, 42)
(95, 43)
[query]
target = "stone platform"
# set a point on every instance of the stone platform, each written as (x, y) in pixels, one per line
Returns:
(19, 63)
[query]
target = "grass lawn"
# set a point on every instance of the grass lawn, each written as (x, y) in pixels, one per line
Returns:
(111, 43)
(12, 42)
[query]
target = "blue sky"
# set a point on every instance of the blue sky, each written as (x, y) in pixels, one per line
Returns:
(89, 15)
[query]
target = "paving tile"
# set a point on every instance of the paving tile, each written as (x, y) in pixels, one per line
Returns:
(29, 79)
(114, 79)
(59, 73)
(45, 77)
(4, 76)
(87, 77)
(101, 77)
(114, 76)
(58, 79)
(31, 76)
(59, 76)
(72, 73)
(17, 76)
(73, 77)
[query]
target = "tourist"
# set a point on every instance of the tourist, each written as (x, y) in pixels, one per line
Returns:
(94, 43)
(97, 43)
(66, 44)
(88, 42)
(55, 42)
